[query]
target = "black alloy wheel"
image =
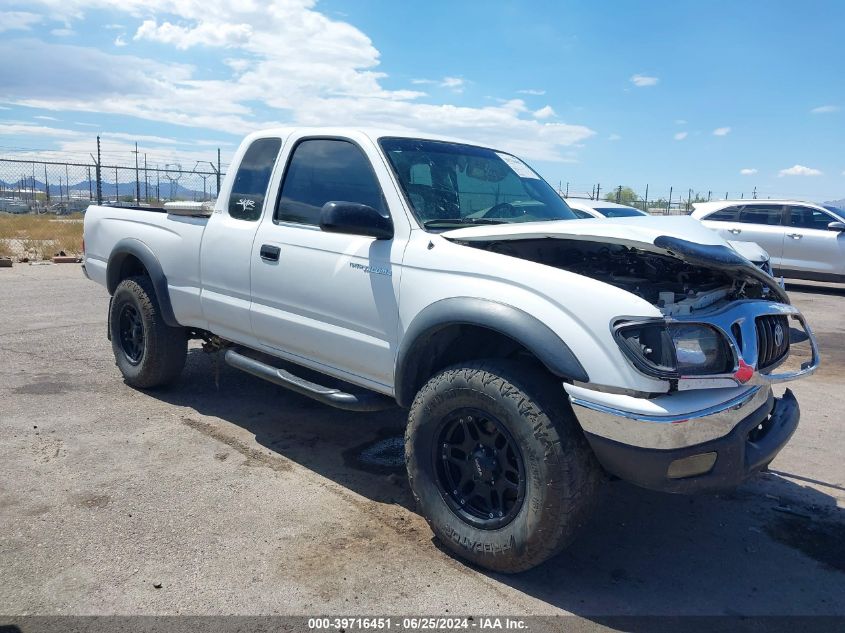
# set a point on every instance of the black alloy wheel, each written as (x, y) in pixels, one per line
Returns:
(479, 469)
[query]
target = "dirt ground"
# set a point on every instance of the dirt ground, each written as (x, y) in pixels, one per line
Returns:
(227, 495)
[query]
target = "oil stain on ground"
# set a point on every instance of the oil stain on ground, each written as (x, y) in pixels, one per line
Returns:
(823, 541)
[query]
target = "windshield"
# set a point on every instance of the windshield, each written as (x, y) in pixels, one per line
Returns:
(450, 184)
(618, 212)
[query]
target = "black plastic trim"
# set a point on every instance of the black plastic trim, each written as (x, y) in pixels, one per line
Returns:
(738, 456)
(809, 275)
(131, 246)
(719, 257)
(512, 322)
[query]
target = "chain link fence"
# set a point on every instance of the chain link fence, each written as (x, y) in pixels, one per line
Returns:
(42, 202)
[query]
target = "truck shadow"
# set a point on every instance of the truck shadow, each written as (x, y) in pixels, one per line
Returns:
(774, 546)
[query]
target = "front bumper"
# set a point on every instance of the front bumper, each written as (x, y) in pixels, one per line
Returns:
(712, 449)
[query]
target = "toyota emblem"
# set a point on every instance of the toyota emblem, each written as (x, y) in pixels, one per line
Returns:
(778, 335)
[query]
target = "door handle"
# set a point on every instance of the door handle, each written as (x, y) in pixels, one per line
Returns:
(269, 253)
(736, 231)
(794, 236)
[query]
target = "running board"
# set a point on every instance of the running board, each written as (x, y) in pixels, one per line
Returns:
(367, 401)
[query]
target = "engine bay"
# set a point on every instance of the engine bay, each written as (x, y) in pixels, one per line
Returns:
(673, 285)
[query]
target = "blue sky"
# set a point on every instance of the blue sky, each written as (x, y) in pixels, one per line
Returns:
(721, 96)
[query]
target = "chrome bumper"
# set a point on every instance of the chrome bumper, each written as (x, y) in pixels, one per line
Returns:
(670, 421)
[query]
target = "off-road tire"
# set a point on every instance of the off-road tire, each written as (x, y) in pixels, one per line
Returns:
(562, 475)
(164, 348)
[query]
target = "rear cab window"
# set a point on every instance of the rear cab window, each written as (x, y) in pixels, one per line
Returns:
(252, 179)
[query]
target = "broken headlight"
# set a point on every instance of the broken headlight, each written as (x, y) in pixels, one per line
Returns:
(672, 350)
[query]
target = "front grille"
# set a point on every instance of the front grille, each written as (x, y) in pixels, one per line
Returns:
(772, 340)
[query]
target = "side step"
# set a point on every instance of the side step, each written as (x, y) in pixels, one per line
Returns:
(367, 401)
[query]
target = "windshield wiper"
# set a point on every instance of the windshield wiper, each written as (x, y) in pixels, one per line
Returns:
(441, 221)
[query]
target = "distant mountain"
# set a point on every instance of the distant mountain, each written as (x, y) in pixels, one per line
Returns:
(109, 189)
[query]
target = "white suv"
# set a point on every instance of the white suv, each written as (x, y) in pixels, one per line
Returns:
(804, 240)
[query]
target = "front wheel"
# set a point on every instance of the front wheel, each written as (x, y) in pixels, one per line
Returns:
(148, 352)
(498, 464)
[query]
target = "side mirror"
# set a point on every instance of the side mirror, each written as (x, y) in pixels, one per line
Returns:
(836, 226)
(355, 219)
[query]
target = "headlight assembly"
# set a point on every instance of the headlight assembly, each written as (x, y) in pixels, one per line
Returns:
(671, 350)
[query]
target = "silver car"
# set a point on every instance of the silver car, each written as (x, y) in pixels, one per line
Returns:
(804, 240)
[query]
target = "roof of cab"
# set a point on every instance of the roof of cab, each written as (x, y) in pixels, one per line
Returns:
(372, 133)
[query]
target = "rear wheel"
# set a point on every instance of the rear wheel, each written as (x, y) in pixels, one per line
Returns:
(148, 352)
(498, 464)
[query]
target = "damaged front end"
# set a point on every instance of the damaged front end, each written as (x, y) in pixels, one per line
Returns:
(725, 322)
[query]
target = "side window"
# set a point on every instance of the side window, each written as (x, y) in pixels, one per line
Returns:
(324, 170)
(768, 214)
(731, 214)
(581, 215)
(807, 218)
(250, 186)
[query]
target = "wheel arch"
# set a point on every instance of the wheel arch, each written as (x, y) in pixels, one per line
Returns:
(425, 346)
(131, 257)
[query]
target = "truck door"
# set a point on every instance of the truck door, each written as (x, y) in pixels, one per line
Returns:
(227, 243)
(329, 300)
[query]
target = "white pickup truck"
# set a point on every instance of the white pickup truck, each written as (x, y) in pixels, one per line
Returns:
(535, 351)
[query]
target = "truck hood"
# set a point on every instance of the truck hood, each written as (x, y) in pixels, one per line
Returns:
(639, 232)
(680, 237)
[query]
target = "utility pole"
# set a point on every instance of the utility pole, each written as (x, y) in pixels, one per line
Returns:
(754, 195)
(598, 191)
(567, 189)
(619, 194)
(669, 204)
(708, 195)
(645, 202)
(689, 201)
(137, 177)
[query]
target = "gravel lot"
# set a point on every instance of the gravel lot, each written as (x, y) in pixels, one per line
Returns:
(229, 495)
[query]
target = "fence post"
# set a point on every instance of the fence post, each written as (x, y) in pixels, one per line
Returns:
(218, 171)
(645, 202)
(99, 175)
(669, 204)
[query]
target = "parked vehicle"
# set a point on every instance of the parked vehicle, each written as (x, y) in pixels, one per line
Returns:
(586, 208)
(600, 209)
(804, 240)
(533, 351)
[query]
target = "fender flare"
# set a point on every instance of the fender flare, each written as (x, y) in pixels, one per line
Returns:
(505, 319)
(130, 246)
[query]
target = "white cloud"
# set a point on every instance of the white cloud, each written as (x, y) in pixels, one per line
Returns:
(455, 84)
(748, 171)
(799, 170)
(680, 121)
(721, 131)
(532, 91)
(62, 32)
(680, 136)
(18, 20)
(614, 137)
(546, 112)
(643, 81)
(119, 41)
(45, 118)
(825, 109)
(303, 68)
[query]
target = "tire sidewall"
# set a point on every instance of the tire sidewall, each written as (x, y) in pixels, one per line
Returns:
(124, 295)
(480, 545)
